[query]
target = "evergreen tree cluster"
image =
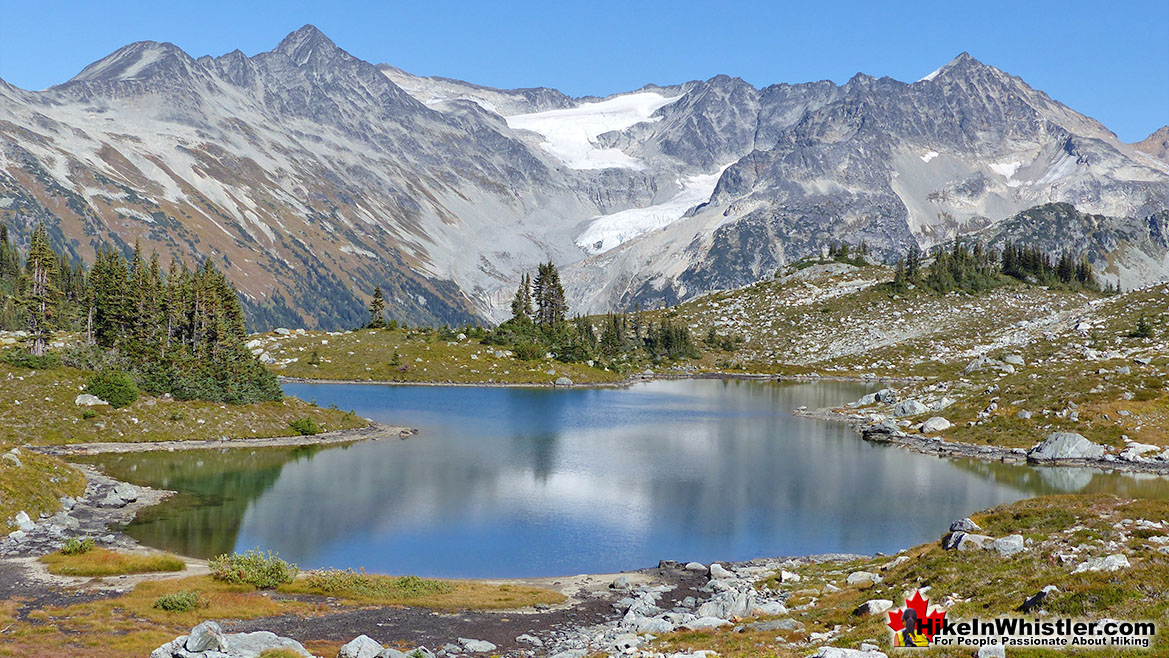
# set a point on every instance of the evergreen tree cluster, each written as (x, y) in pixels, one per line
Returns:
(540, 325)
(970, 267)
(181, 332)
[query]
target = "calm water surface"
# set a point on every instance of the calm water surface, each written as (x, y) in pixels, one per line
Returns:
(506, 482)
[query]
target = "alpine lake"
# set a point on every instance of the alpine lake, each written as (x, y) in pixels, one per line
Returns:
(527, 482)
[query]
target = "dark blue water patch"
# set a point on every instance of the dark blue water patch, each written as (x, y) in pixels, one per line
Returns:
(506, 482)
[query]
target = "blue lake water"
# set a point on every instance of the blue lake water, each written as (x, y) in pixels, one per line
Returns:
(505, 482)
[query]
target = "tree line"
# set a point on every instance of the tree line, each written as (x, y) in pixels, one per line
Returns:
(540, 325)
(971, 267)
(179, 332)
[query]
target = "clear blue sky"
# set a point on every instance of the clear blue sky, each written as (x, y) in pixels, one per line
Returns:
(1108, 60)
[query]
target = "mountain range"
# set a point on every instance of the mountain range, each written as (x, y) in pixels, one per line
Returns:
(310, 176)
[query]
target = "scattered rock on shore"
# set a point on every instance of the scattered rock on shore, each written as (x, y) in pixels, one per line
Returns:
(1065, 445)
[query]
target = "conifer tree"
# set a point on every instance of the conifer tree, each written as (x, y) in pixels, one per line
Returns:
(521, 303)
(549, 295)
(40, 292)
(377, 307)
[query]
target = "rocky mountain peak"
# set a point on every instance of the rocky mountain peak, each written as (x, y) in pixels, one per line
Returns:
(141, 60)
(1156, 144)
(308, 44)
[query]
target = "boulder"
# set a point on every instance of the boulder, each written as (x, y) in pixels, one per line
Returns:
(530, 639)
(886, 396)
(1114, 562)
(977, 364)
(992, 651)
(728, 604)
(909, 408)
(719, 572)
(23, 522)
(88, 400)
(621, 583)
(10, 458)
(935, 425)
(964, 525)
(1008, 545)
(127, 492)
(705, 624)
(1014, 359)
(1065, 445)
(563, 381)
(695, 566)
(873, 607)
(863, 578)
(112, 500)
(207, 636)
(965, 541)
(476, 646)
(771, 608)
(775, 625)
(362, 646)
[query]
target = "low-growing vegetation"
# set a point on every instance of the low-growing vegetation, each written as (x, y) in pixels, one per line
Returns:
(185, 600)
(77, 546)
(98, 562)
(372, 589)
(255, 568)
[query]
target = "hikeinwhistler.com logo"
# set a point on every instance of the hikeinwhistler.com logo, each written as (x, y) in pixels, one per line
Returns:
(918, 624)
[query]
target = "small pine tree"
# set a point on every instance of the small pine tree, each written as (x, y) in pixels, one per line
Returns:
(1142, 330)
(377, 307)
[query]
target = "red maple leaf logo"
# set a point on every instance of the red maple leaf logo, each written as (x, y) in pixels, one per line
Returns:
(931, 621)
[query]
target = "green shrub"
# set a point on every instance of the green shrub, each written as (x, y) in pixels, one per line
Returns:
(529, 351)
(182, 601)
(260, 570)
(75, 546)
(305, 426)
(88, 414)
(22, 359)
(114, 387)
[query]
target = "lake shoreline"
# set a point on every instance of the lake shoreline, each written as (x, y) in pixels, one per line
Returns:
(939, 447)
(371, 432)
(629, 381)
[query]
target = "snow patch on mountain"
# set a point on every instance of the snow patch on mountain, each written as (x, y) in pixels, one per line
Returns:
(929, 155)
(569, 133)
(1006, 169)
(608, 231)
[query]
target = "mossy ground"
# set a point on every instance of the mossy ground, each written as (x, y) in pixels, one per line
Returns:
(980, 583)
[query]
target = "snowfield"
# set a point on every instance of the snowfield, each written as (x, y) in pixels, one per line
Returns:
(569, 133)
(608, 231)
